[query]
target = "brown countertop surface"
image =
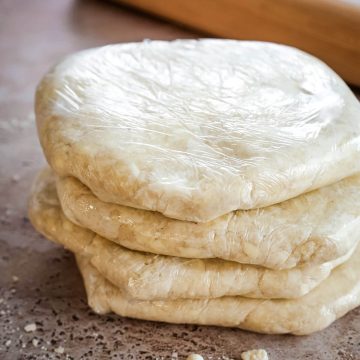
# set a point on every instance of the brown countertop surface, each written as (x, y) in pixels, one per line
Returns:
(39, 281)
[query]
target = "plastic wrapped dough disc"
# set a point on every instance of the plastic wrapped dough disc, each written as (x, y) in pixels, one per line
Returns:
(197, 128)
(311, 229)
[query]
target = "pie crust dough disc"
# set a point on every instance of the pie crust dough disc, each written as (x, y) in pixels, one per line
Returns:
(337, 295)
(195, 129)
(311, 229)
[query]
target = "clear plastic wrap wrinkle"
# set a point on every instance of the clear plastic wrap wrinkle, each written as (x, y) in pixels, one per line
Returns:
(195, 129)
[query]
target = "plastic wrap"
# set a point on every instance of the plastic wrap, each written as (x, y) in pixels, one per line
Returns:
(310, 229)
(145, 276)
(337, 295)
(197, 129)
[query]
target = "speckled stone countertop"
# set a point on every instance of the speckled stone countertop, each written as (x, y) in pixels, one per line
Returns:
(39, 282)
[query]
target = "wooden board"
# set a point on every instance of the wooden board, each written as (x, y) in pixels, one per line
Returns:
(328, 29)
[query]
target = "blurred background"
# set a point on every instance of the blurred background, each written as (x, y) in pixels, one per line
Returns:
(36, 283)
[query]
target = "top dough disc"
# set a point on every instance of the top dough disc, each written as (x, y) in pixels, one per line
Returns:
(196, 129)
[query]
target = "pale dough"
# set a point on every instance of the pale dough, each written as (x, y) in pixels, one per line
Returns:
(258, 354)
(333, 298)
(146, 276)
(312, 228)
(195, 129)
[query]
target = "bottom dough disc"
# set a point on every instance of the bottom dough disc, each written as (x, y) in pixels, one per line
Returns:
(148, 277)
(337, 295)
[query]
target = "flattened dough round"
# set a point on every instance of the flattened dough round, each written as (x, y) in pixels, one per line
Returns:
(195, 129)
(147, 276)
(313, 228)
(335, 296)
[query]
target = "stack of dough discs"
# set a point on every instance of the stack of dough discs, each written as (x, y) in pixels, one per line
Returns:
(204, 181)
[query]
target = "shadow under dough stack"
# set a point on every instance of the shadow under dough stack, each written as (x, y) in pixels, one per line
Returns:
(209, 182)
